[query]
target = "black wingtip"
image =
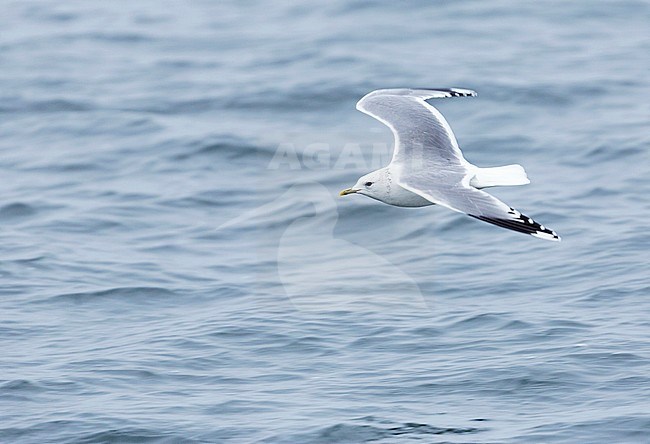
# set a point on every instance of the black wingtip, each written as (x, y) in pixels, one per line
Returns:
(462, 92)
(522, 224)
(454, 92)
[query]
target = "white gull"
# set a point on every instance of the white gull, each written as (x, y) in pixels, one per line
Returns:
(428, 167)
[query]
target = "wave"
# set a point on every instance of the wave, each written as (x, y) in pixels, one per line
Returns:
(372, 429)
(77, 432)
(134, 295)
(44, 106)
(16, 210)
(226, 147)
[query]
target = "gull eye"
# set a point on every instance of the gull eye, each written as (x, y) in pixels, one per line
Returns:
(368, 184)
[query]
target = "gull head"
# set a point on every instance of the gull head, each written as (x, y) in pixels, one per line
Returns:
(376, 185)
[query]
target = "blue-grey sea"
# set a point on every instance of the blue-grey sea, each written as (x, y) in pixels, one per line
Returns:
(176, 265)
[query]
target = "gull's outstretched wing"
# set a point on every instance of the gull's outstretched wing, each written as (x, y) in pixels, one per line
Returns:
(423, 137)
(466, 199)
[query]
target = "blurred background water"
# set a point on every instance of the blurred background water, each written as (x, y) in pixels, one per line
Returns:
(166, 276)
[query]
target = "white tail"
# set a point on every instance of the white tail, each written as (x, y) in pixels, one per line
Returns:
(499, 176)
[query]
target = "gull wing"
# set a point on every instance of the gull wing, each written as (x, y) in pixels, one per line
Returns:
(423, 138)
(463, 198)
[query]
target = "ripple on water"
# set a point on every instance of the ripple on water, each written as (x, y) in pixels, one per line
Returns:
(44, 106)
(371, 429)
(129, 295)
(16, 210)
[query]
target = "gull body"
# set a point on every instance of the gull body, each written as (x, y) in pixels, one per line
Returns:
(428, 167)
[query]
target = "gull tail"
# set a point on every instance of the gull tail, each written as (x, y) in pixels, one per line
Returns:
(499, 176)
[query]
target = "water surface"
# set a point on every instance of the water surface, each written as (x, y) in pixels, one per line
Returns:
(166, 277)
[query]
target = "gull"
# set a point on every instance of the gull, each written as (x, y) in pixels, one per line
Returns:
(428, 167)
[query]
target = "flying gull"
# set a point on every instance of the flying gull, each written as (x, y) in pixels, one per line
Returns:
(428, 167)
